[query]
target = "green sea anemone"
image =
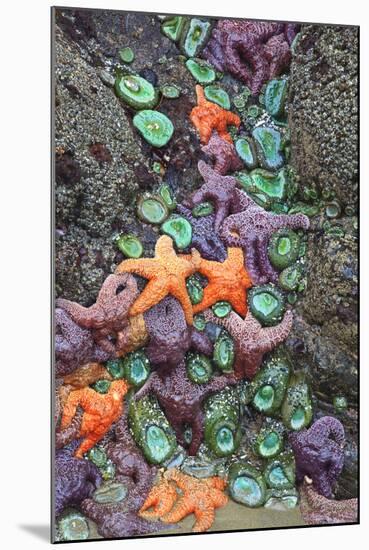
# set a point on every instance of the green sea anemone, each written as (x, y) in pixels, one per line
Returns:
(151, 430)
(297, 410)
(199, 368)
(246, 485)
(152, 209)
(194, 289)
(136, 91)
(283, 248)
(136, 366)
(194, 36)
(201, 71)
(179, 229)
(224, 352)
(266, 303)
(222, 432)
(275, 97)
(218, 95)
(130, 245)
(268, 388)
(268, 144)
(246, 151)
(154, 127)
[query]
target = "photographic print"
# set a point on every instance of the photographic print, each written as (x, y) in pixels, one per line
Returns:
(205, 362)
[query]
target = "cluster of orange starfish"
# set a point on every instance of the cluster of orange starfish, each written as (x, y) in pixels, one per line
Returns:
(100, 411)
(208, 116)
(167, 274)
(198, 496)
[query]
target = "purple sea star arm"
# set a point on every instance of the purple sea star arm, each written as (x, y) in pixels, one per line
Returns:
(200, 342)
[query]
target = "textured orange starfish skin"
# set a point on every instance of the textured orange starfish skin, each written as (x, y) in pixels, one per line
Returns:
(207, 116)
(200, 497)
(162, 498)
(100, 412)
(228, 281)
(167, 274)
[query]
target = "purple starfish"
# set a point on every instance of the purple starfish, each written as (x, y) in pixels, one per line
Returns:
(74, 346)
(170, 336)
(218, 189)
(75, 479)
(181, 400)
(251, 340)
(223, 154)
(250, 228)
(204, 237)
(252, 51)
(319, 453)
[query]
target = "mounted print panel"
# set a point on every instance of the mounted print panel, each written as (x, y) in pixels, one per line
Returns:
(205, 328)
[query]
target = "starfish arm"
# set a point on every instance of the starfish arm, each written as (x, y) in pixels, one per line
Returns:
(197, 432)
(200, 95)
(230, 233)
(181, 509)
(209, 298)
(205, 132)
(86, 445)
(66, 436)
(238, 301)
(219, 383)
(205, 517)
(269, 273)
(70, 408)
(200, 342)
(233, 119)
(146, 267)
(164, 247)
(233, 323)
(271, 336)
(101, 337)
(292, 221)
(146, 388)
(182, 296)
(83, 316)
(219, 499)
(154, 291)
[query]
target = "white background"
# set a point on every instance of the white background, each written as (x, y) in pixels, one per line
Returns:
(24, 298)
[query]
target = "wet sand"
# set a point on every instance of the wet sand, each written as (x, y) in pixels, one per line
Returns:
(235, 517)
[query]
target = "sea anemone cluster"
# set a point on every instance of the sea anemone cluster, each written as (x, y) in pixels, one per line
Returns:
(161, 373)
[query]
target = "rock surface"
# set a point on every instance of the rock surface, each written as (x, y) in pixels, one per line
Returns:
(323, 111)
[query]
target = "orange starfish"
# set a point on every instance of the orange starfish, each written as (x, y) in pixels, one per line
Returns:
(161, 498)
(167, 274)
(199, 496)
(207, 116)
(228, 281)
(100, 412)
